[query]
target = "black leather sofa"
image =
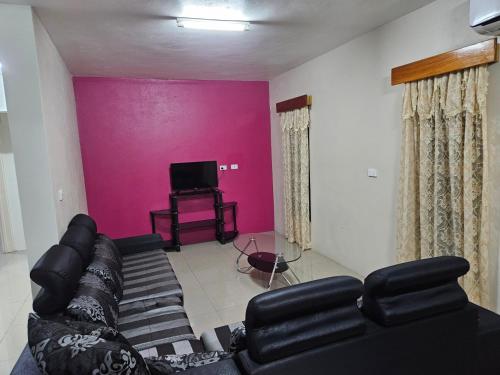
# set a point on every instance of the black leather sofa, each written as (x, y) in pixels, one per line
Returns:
(415, 319)
(412, 318)
(118, 295)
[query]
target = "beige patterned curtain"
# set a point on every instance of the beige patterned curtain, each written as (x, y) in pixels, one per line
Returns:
(443, 199)
(295, 133)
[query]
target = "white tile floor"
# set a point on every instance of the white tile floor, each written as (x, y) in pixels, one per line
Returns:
(214, 292)
(15, 304)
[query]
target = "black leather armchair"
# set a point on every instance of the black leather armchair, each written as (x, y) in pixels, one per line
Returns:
(293, 330)
(417, 320)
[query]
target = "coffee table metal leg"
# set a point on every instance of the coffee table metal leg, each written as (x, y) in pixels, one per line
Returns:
(272, 273)
(242, 269)
(286, 279)
(251, 241)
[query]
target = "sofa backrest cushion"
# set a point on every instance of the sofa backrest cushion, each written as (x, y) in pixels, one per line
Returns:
(287, 321)
(58, 272)
(105, 247)
(86, 221)
(415, 290)
(107, 264)
(102, 268)
(94, 302)
(81, 239)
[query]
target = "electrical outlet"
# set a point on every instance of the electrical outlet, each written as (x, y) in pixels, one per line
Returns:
(223, 167)
(234, 166)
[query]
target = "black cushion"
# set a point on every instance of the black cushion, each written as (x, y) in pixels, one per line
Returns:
(305, 298)
(415, 275)
(57, 272)
(84, 220)
(46, 304)
(137, 244)
(304, 316)
(415, 290)
(82, 240)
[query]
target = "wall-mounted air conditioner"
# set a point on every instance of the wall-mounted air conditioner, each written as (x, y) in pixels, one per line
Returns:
(485, 16)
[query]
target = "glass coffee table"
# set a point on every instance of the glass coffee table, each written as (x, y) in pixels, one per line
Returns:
(268, 252)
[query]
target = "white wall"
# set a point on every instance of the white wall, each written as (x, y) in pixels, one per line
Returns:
(11, 207)
(29, 143)
(59, 117)
(43, 130)
(356, 125)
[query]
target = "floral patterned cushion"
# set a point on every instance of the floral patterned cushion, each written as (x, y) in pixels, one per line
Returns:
(71, 347)
(169, 364)
(230, 338)
(108, 274)
(105, 247)
(93, 302)
(238, 339)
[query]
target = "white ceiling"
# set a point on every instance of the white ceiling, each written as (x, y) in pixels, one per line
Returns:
(140, 38)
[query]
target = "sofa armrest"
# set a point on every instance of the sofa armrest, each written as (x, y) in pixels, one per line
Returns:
(138, 244)
(225, 367)
(26, 364)
(220, 338)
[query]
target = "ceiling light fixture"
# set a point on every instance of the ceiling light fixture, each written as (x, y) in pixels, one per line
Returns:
(206, 24)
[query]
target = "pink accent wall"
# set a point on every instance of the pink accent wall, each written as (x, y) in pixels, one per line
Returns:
(132, 129)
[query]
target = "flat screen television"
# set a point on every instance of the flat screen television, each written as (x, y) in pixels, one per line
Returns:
(192, 176)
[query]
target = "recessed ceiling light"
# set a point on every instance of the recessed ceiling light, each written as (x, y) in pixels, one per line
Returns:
(205, 24)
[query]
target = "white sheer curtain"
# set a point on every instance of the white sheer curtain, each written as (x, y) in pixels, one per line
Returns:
(443, 208)
(295, 139)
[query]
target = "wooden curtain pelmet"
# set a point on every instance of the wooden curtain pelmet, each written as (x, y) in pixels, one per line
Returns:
(295, 103)
(463, 58)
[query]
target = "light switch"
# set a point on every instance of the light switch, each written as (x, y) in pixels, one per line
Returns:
(372, 172)
(223, 167)
(60, 195)
(234, 166)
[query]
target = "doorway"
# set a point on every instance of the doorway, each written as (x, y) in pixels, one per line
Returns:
(11, 222)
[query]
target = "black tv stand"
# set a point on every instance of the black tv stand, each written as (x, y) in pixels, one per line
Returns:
(218, 223)
(181, 193)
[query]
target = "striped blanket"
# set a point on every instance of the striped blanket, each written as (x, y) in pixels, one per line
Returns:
(148, 275)
(151, 313)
